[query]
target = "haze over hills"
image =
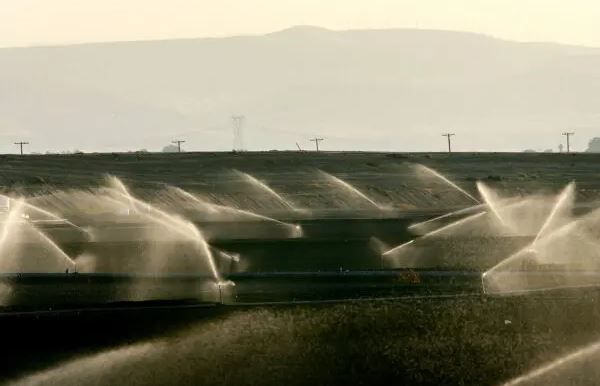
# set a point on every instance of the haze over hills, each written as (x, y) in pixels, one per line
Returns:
(361, 89)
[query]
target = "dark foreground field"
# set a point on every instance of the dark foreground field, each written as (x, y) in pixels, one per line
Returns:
(472, 340)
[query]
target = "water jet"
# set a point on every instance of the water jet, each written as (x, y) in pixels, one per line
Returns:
(427, 170)
(349, 188)
(265, 188)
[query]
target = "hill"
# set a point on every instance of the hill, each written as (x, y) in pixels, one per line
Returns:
(361, 89)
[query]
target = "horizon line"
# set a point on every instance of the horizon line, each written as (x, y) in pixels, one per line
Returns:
(290, 28)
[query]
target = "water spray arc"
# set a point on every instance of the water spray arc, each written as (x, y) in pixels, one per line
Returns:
(479, 210)
(578, 358)
(437, 231)
(491, 201)
(563, 201)
(240, 214)
(182, 227)
(265, 188)
(557, 228)
(349, 188)
(21, 241)
(40, 211)
(427, 170)
(448, 215)
(521, 220)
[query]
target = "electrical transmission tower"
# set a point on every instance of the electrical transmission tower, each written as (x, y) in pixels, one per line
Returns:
(448, 135)
(21, 145)
(316, 140)
(178, 143)
(568, 135)
(238, 137)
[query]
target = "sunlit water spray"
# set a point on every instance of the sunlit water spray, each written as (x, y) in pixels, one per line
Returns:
(563, 203)
(465, 241)
(427, 223)
(204, 205)
(118, 185)
(265, 188)
(395, 250)
(426, 170)
(182, 227)
(508, 275)
(565, 370)
(558, 237)
(293, 229)
(378, 245)
(491, 200)
(44, 213)
(77, 370)
(437, 232)
(349, 188)
(14, 216)
(481, 210)
(24, 248)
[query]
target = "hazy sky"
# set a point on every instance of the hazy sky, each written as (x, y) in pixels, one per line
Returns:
(35, 22)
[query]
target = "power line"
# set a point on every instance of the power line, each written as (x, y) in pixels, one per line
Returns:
(178, 143)
(568, 135)
(316, 140)
(448, 135)
(238, 137)
(21, 145)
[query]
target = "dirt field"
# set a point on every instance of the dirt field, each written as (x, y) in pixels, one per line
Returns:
(387, 178)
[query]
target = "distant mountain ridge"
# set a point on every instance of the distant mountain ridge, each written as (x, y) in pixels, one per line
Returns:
(361, 89)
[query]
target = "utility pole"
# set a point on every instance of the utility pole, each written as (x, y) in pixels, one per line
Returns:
(448, 135)
(568, 135)
(238, 138)
(316, 140)
(178, 143)
(21, 145)
(298, 146)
